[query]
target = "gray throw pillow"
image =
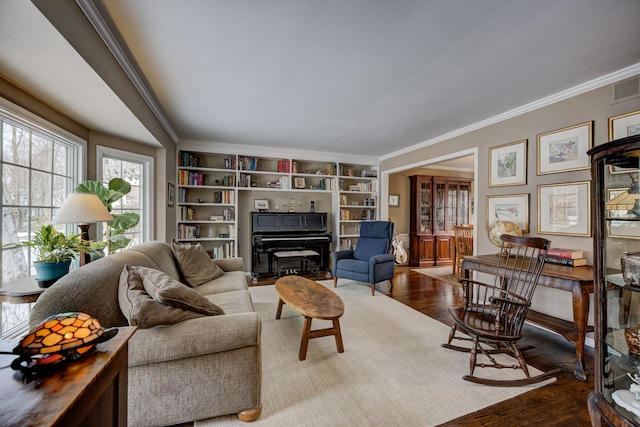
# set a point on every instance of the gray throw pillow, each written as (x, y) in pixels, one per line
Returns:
(141, 310)
(195, 264)
(166, 290)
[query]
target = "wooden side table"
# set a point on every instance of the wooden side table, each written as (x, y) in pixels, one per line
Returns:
(89, 391)
(20, 291)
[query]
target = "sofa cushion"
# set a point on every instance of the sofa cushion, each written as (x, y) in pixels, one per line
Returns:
(143, 311)
(164, 289)
(195, 263)
(231, 281)
(354, 265)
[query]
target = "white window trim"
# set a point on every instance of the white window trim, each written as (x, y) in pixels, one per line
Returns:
(148, 172)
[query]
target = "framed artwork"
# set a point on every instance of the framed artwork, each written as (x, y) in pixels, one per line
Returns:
(261, 204)
(171, 195)
(624, 125)
(510, 207)
(298, 182)
(565, 149)
(394, 200)
(508, 164)
(565, 209)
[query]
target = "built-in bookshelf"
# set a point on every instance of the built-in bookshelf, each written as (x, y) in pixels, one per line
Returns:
(210, 184)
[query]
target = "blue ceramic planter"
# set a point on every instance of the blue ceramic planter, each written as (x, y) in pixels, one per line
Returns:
(49, 272)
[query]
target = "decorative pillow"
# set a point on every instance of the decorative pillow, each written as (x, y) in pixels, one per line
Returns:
(141, 310)
(166, 290)
(195, 263)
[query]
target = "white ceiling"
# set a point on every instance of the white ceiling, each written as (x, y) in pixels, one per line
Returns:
(345, 76)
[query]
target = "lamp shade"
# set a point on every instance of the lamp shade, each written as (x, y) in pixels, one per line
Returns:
(82, 208)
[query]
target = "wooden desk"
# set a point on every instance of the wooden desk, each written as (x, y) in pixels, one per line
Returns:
(90, 391)
(577, 280)
(20, 291)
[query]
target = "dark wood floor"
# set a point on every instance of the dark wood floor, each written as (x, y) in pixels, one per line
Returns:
(562, 403)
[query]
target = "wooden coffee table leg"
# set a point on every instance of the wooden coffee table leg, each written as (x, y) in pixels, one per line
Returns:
(306, 334)
(336, 327)
(279, 312)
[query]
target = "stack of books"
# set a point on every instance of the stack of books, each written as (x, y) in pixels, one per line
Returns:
(568, 257)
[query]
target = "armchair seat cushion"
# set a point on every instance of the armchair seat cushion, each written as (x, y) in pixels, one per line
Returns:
(354, 265)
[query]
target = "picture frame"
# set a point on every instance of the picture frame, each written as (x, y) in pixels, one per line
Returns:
(298, 182)
(624, 125)
(261, 204)
(565, 150)
(394, 200)
(171, 195)
(565, 209)
(509, 207)
(508, 164)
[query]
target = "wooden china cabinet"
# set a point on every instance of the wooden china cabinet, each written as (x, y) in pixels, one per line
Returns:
(615, 169)
(437, 204)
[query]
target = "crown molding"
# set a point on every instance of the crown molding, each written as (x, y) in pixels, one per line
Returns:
(97, 21)
(543, 102)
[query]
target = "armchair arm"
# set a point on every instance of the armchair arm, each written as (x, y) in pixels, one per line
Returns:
(378, 259)
(344, 254)
(194, 337)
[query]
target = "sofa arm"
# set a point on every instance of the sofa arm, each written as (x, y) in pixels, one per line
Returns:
(347, 253)
(194, 337)
(230, 264)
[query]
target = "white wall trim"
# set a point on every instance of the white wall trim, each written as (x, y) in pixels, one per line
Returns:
(274, 152)
(543, 102)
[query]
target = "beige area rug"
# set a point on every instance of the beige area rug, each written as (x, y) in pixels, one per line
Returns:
(393, 371)
(444, 274)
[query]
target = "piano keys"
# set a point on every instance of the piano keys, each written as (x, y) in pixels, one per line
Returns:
(274, 231)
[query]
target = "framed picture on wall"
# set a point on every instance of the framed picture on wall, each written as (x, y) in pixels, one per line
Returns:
(171, 195)
(510, 207)
(624, 125)
(508, 164)
(565, 209)
(394, 200)
(565, 149)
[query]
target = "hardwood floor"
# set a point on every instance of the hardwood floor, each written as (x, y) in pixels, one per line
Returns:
(562, 403)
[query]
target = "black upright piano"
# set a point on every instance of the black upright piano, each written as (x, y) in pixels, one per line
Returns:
(287, 231)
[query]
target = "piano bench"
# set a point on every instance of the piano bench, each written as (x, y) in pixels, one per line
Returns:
(303, 257)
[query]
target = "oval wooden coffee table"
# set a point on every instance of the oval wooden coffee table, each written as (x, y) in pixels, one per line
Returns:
(313, 301)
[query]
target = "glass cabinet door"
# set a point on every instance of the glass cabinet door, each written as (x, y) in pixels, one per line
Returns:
(425, 206)
(464, 207)
(616, 176)
(440, 207)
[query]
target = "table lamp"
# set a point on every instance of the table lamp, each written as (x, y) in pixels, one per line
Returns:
(83, 208)
(629, 200)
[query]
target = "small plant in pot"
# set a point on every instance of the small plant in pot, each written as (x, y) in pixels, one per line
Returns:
(54, 252)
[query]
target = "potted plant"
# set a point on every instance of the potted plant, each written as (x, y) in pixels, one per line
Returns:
(54, 252)
(114, 191)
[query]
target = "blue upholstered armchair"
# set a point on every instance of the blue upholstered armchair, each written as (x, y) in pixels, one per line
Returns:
(371, 261)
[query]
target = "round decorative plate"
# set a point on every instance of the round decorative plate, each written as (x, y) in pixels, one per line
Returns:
(498, 228)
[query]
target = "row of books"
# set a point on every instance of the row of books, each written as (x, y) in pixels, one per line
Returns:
(224, 196)
(190, 178)
(568, 257)
(225, 250)
(189, 160)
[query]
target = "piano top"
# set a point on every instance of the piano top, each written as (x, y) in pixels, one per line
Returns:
(278, 222)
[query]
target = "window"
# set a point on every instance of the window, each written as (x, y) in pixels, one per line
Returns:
(40, 164)
(137, 170)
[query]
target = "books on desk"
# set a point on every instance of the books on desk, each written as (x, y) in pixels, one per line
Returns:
(578, 262)
(565, 253)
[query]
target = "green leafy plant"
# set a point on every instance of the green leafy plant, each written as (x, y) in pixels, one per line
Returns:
(51, 245)
(114, 191)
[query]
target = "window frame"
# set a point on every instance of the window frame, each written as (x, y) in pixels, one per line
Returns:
(147, 199)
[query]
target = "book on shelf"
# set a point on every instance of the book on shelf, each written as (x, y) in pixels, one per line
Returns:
(565, 253)
(578, 262)
(284, 166)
